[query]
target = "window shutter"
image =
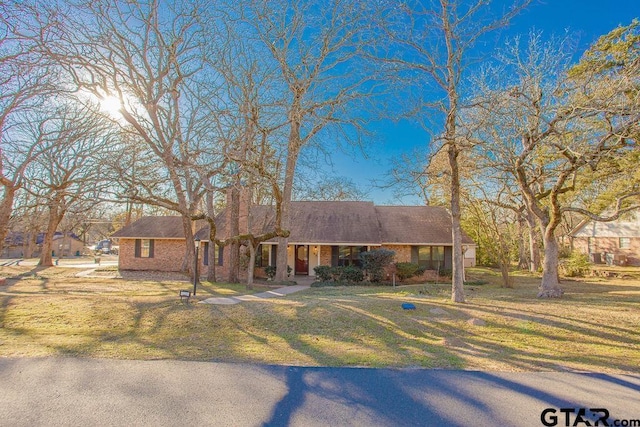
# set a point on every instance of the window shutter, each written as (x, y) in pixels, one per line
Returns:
(220, 254)
(205, 254)
(137, 248)
(151, 245)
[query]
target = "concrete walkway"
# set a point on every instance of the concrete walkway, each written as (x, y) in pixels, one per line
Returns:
(256, 297)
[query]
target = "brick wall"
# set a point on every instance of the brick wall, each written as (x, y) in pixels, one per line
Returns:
(610, 245)
(167, 255)
(403, 252)
(325, 255)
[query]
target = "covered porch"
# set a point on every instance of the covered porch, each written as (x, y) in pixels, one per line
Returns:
(304, 257)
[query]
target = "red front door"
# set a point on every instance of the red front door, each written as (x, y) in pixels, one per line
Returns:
(302, 260)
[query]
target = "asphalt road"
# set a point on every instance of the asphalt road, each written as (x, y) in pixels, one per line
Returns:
(93, 392)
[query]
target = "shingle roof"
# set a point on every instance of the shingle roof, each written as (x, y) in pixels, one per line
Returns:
(334, 222)
(353, 223)
(153, 227)
(16, 238)
(426, 225)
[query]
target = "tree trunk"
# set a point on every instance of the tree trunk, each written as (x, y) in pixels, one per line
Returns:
(534, 247)
(234, 230)
(187, 265)
(5, 213)
(523, 260)
(550, 286)
(210, 217)
(55, 216)
(457, 273)
(252, 265)
(504, 264)
(27, 245)
(283, 242)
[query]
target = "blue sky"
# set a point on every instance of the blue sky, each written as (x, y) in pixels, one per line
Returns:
(585, 19)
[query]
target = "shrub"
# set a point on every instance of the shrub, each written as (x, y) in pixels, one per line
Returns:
(335, 273)
(374, 262)
(323, 273)
(270, 271)
(446, 272)
(576, 265)
(406, 270)
(351, 274)
(336, 276)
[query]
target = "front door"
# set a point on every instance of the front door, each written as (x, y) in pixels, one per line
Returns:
(302, 260)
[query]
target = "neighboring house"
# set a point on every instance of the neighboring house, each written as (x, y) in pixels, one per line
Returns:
(615, 242)
(322, 233)
(17, 245)
(14, 245)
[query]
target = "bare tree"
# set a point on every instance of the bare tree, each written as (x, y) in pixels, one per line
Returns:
(432, 43)
(330, 188)
(550, 131)
(318, 52)
(495, 233)
(65, 177)
(26, 79)
(29, 218)
(147, 57)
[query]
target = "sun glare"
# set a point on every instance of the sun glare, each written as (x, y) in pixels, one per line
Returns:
(111, 105)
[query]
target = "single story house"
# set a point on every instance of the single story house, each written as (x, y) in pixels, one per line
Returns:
(322, 233)
(18, 244)
(614, 242)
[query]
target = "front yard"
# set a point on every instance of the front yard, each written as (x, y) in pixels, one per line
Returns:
(594, 327)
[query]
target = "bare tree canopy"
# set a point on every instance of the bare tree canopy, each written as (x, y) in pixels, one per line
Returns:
(431, 44)
(551, 131)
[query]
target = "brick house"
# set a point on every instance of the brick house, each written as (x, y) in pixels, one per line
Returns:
(615, 242)
(322, 233)
(18, 244)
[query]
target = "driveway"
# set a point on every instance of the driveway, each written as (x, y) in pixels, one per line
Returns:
(81, 392)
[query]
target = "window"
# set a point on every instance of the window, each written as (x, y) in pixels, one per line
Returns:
(347, 255)
(431, 257)
(217, 254)
(262, 255)
(625, 242)
(144, 248)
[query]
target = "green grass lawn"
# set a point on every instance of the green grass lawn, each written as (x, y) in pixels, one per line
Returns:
(594, 327)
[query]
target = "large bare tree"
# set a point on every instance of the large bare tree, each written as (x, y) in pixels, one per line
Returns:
(431, 44)
(26, 80)
(317, 48)
(146, 58)
(66, 177)
(554, 132)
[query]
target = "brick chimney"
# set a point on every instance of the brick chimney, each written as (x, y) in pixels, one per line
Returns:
(238, 200)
